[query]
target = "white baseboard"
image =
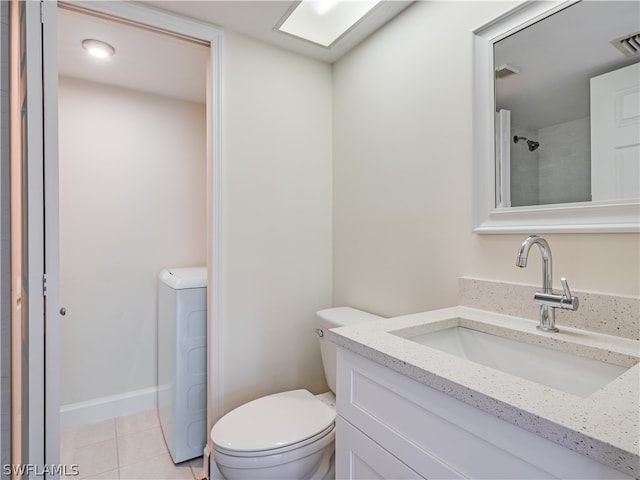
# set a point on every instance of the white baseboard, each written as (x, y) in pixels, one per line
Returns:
(105, 408)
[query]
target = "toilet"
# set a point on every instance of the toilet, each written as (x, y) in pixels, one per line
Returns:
(287, 435)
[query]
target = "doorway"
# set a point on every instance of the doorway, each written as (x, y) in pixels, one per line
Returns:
(133, 200)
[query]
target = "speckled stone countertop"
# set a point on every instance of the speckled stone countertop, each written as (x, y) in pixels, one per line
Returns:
(603, 426)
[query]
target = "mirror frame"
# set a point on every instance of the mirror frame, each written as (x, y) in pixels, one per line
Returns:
(586, 217)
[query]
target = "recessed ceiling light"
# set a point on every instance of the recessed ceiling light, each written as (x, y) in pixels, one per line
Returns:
(98, 49)
(324, 21)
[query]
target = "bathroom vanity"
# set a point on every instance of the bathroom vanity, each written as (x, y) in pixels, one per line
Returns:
(415, 402)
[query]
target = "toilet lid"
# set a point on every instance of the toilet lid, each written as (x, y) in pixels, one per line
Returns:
(273, 422)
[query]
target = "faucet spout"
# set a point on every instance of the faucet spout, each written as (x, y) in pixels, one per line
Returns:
(545, 251)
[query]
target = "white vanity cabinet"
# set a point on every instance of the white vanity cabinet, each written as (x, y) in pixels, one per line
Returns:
(364, 459)
(392, 427)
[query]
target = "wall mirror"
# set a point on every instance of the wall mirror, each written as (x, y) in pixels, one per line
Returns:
(556, 117)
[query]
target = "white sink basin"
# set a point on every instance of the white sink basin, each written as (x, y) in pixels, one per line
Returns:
(563, 371)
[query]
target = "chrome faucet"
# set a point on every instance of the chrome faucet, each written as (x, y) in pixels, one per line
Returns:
(547, 300)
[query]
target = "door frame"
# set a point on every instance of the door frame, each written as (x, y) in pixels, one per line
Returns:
(191, 29)
(27, 240)
(51, 236)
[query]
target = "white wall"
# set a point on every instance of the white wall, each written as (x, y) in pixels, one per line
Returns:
(403, 176)
(132, 201)
(277, 214)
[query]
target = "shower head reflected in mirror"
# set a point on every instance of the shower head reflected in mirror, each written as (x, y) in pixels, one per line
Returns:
(532, 145)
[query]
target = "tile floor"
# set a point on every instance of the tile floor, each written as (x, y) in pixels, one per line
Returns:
(129, 447)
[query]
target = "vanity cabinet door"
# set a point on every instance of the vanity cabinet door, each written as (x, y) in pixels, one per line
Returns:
(437, 436)
(360, 458)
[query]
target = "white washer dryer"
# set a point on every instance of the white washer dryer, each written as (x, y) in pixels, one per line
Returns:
(182, 360)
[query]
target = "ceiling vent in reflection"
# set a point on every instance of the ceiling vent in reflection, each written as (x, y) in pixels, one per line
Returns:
(506, 70)
(629, 45)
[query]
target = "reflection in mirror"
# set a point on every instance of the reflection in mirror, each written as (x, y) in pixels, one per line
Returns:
(567, 99)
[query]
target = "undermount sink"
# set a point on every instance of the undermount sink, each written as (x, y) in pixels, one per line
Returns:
(569, 373)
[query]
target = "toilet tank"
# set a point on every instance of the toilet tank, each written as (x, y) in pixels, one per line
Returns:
(332, 318)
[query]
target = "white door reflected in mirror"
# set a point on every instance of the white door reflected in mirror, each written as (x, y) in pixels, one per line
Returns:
(615, 134)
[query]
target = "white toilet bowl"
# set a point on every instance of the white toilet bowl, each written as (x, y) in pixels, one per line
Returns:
(288, 435)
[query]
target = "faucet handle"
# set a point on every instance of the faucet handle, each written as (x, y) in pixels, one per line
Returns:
(570, 302)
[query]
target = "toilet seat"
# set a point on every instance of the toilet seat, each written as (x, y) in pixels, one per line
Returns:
(273, 424)
(313, 461)
(275, 451)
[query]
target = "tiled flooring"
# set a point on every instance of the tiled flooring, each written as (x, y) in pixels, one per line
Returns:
(130, 447)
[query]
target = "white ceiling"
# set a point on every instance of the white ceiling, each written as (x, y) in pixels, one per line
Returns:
(557, 57)
(167, 66)
(257, 19)
(144, 60)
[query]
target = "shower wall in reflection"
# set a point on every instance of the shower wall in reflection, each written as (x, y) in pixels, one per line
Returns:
(558, 171)
(565, 162)
(524, 168)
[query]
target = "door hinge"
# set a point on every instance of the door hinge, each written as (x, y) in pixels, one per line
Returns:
(44, 285)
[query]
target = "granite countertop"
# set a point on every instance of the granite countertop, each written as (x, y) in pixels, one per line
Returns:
(603, 425)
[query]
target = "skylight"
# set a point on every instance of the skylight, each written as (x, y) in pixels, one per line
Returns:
(324, 21)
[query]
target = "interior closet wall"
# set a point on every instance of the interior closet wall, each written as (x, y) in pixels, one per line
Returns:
(132, 201)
